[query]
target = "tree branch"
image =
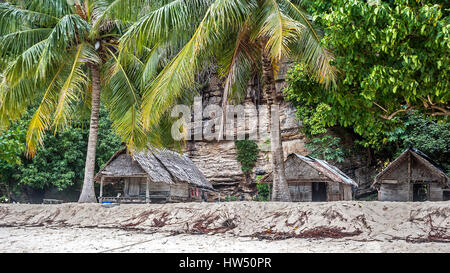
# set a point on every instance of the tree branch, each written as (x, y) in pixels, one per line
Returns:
(410, 107)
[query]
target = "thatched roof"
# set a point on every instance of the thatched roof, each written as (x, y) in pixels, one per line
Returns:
(421, 157)
(159, 165)
(329, 171)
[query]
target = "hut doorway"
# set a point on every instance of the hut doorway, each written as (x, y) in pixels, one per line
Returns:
(319, 191)
(446, 195)
(420, 192)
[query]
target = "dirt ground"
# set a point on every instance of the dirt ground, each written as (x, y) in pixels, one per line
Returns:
(346, 226)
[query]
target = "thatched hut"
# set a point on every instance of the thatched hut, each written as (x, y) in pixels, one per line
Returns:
(153, 175)
(412, 176)
(312, 179)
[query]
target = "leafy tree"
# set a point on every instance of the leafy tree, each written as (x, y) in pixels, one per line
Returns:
(327, 148)
(414, 129)
(242, 37)
(11, 145)
(391, 55)
(11, 148)
(430, 137)
(56, 51)
(59, 161)
(322, 145)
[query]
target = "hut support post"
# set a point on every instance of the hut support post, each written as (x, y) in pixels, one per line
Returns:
(147, 193)
(409, 176)
(409, 167)
(101, 187)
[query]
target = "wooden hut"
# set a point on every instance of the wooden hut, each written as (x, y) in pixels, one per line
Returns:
(153, 176)
(412, 176)
(311, 179)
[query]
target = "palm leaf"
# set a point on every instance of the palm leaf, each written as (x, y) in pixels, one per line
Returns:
(123, 99)
(42, 117)
(74, 85)
(308, 48)
(179, 74)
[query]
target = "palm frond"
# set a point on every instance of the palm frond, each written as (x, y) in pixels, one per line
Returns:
(276, 29)
(178, 16)
(14, 18)
(74, 85)
(24, 65)
(123, 99)
(55, 8)
(41, 119)
(69, 31)
(179, 74)
(236, 64)
(13, 44)
(120, 11)
(15, 99)
(44, 55)
(307, 46)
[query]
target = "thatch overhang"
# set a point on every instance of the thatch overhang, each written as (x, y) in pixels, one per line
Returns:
(328, 172)
(160, 166)
(420, 157)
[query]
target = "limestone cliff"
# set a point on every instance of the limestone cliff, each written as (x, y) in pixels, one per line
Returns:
(217, 159)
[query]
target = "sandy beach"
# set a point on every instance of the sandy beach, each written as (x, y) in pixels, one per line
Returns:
(266, 227)
(94, 240)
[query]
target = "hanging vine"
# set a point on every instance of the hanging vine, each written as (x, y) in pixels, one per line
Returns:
(247, 155)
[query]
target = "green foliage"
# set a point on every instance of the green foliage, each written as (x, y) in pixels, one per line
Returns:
(108, 141)
(327, 148)
(247, 154)
(430, 137)
(263, 192)
(12, 145)
(47, 51)
(232, 198)
(59, 163)
(314, 120)
(392, 57)
(230, 34)
(56, 164)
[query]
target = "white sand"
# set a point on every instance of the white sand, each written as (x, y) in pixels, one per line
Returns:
(224, 227)
(94, 240)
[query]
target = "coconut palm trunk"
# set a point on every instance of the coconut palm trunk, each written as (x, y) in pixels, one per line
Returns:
(88, 192)
(280, 190)
(275, 29)
(50, 52)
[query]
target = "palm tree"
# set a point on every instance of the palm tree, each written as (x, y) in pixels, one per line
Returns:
(61, 52)
(242, 37)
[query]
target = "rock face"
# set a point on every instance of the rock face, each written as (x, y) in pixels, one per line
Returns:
(217, 158)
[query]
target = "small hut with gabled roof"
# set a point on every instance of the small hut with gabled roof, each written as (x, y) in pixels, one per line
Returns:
(153, 175)
(412, 176)
(312, 179)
